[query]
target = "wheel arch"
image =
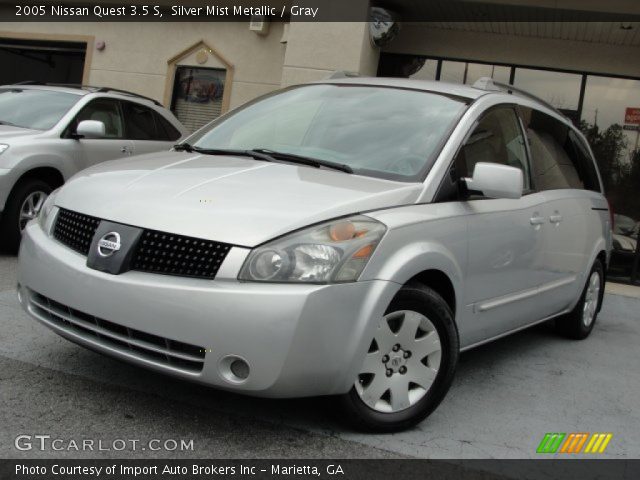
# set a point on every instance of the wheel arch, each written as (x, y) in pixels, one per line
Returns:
(440, 282)
(429, 263)
(50, 175)
(602, 256)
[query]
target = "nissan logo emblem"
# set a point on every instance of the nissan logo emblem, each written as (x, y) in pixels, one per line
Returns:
(109, 244)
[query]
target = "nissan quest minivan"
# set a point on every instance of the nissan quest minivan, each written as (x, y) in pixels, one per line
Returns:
(348, 237)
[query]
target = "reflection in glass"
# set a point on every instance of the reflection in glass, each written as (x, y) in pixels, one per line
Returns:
(427, 72)
(468, 73)
(562, 90)
(452, 72)
(618, 156)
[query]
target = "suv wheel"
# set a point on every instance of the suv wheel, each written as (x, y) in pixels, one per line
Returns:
(409, 366)
(24, 204)
(580, 321)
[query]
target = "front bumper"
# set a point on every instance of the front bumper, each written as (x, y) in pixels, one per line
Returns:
(298, 340)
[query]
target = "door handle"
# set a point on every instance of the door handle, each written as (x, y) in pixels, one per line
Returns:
(126, 150)
(555, 219)
(536, 220)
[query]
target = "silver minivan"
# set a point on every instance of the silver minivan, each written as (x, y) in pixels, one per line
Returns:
(348, 237)
(50, 132)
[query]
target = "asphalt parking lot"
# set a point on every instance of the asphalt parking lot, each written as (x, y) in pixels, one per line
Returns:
(505, 397)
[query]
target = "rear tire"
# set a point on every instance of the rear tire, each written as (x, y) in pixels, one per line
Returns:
(418, 339)
(579, 323)
(27, 193)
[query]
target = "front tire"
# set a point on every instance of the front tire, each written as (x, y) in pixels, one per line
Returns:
(409, 366)
(579, 323)
(24, 204)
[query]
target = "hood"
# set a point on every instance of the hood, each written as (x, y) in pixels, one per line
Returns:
(8, 132)
(236, 200)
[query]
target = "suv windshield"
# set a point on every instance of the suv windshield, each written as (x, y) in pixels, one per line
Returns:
(36, 109)
(378, 131)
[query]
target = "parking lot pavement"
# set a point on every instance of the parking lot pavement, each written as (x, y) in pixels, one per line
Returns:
(505, 397)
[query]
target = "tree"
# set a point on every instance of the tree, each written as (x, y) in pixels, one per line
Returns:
(608, 147)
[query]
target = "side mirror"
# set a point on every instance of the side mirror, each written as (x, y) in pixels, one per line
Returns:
(90, 129)
(496, 181)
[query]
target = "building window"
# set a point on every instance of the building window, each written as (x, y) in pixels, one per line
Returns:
(614, 139)
(562, 90)
(469, 73)
(197, 95)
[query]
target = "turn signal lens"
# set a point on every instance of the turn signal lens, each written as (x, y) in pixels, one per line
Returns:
(364, 252)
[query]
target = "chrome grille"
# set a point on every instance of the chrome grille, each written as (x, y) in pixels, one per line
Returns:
(75, 230)
(169, 254)
(143, 345)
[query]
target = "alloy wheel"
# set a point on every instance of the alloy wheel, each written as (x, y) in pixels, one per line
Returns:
(591, 298)
(30, 208)
(401, 364)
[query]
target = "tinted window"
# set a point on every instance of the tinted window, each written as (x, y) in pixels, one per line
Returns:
(104, 110)
(584, 162)
(496, 139)
(140, 122)
(37, 109)
(554, 156)
(166, 131)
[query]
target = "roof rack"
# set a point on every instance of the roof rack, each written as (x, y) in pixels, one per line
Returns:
(486, 83)
(90, 88)
(126, 92)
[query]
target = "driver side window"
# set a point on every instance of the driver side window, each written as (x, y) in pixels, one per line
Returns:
(104, 110)
(497, 138)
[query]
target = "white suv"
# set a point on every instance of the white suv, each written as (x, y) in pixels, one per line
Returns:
(48, 133)
(349, 237)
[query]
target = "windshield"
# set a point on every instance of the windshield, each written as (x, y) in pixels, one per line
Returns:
(385, 132)
(36, 109)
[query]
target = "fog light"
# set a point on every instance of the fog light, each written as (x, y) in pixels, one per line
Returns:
(240, 368)
(234, 369)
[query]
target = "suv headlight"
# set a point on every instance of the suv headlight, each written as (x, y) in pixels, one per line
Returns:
(46, 209)
(335, 251)
(3, 147)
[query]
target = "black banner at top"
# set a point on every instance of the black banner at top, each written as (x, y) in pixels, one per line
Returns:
(309, 11)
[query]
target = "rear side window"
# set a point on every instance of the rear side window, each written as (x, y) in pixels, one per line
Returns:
(140, 122)
(497, 138)
(585, 163)
(165, 130)
(558, 159)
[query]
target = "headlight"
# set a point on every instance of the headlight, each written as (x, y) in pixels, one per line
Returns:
(3, 147)
(335, 251)
(46, 209)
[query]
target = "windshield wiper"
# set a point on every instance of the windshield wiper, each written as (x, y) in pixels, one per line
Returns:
(185, 147)
(312, 162)
(266, 155)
